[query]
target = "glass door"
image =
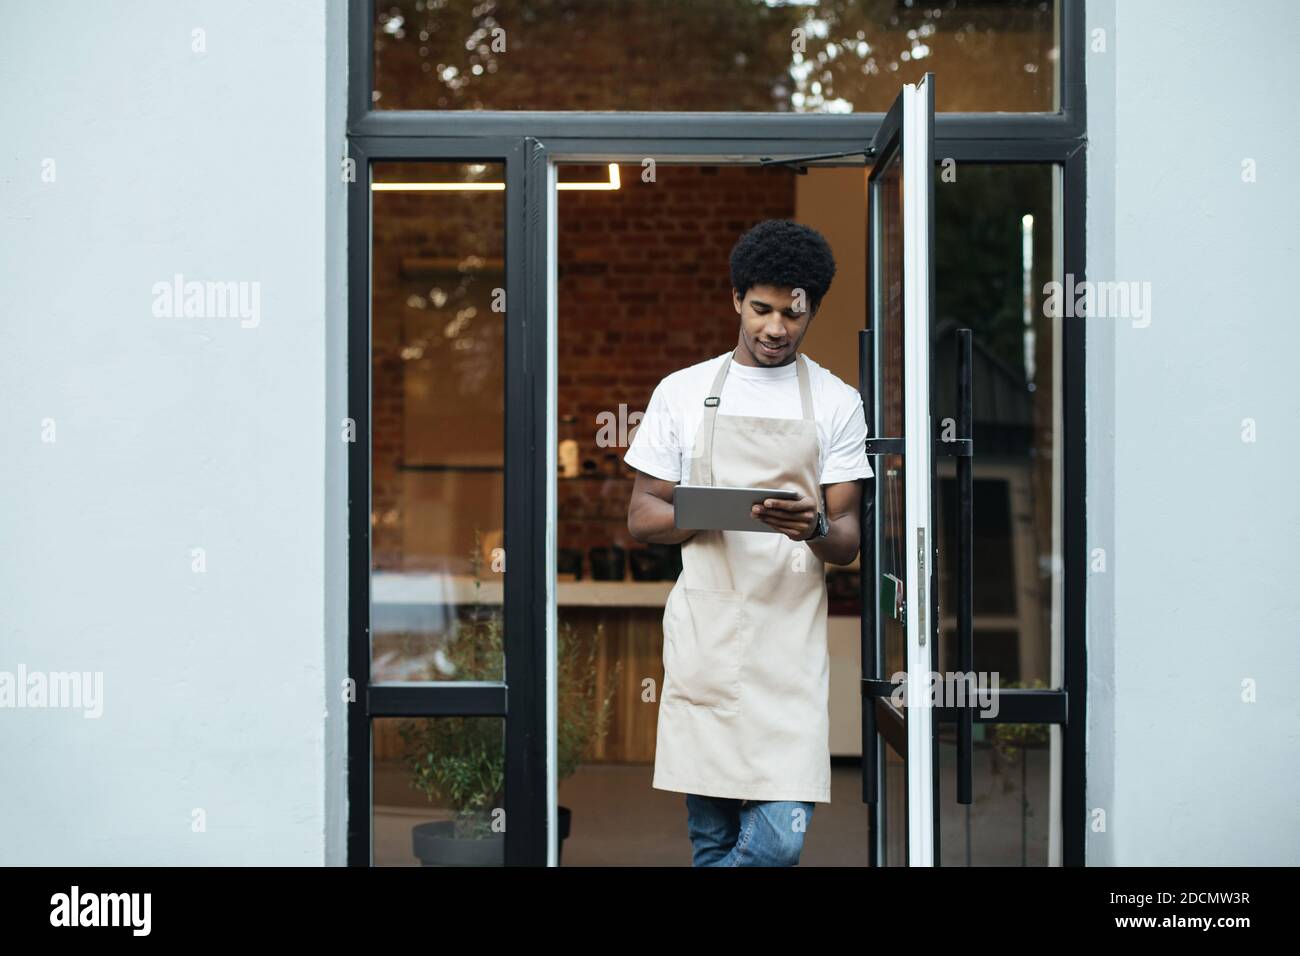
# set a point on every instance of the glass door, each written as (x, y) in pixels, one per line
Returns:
(898, 601)
(451, 652)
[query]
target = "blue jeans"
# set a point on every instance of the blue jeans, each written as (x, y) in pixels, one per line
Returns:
(730, 832)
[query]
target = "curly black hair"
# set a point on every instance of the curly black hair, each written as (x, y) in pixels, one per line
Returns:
(785, 254)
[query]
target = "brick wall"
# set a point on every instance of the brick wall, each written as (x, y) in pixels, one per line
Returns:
(437, 376)
(644, 289)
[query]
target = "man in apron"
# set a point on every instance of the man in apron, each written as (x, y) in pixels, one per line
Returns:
(743, 713)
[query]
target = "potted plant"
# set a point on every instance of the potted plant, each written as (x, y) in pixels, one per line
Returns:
(460, 762)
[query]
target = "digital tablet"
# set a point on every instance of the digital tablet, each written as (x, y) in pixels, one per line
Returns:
(716, 508)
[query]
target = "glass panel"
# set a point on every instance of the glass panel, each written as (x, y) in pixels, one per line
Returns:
(994, 589)
(895, 808)
(787, 56)
(995, 252)
(887, 318)
(439, 791)
(1014, 816)
(887, 310)
(438, 421)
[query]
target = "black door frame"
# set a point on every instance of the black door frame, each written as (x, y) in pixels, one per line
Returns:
(519, 698)
(713, 138)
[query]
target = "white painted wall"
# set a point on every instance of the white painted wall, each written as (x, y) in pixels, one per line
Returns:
(172, 433)
(1199, 527)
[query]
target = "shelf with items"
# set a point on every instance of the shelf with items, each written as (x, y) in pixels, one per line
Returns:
(394, 590)
(603, 464)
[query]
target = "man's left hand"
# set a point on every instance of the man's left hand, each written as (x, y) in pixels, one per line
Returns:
(796, 519)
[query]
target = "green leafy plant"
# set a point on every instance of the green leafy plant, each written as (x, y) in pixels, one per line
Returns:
(1008, 740)
(459, 762)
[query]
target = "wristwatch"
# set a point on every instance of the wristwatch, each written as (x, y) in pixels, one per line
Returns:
(823, 527)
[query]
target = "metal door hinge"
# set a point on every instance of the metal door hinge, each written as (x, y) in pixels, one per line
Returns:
(920, 585)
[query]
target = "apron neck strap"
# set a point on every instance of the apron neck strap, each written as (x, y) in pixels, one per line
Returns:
(714, 397)
(805, 389)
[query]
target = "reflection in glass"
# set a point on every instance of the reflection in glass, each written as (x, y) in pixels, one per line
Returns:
(996, 249)
(894, 849)
(438, 393)
(439, 791)
(886, 209)
(787, 56)
(887, 312)
(997, 245)
(1013, 820)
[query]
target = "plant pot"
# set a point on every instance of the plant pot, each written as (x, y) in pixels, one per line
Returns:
(646, 564)
(670, 560)
(435, 844)
(569, 561)
(565, 821)
(607, 563)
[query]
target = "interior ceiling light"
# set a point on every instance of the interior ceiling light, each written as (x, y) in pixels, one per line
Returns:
(613, 183)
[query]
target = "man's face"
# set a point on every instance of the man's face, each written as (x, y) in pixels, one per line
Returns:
(773, 322)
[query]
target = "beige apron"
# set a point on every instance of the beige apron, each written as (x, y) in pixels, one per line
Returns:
(744, 708)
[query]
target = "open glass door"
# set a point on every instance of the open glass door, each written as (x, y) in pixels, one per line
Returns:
(898, 605)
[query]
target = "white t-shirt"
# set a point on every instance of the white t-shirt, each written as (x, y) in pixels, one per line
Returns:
(662, 443)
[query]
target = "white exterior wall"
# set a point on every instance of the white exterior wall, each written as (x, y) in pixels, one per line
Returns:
(1199, 595)
(172, 434)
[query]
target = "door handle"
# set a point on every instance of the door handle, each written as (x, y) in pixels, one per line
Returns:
(962, 447)
(965, 553)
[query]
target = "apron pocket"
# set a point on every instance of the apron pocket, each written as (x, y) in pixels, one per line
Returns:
(703, 647)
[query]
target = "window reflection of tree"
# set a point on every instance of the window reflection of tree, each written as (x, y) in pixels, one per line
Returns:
(833, 56)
